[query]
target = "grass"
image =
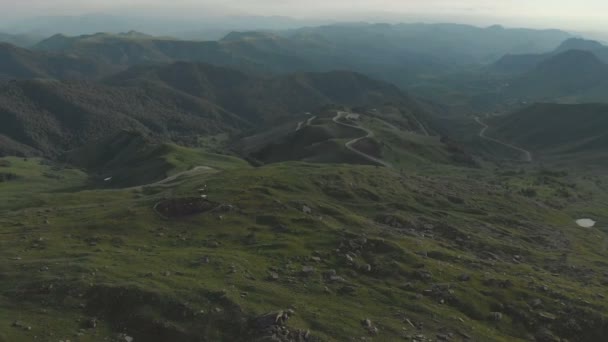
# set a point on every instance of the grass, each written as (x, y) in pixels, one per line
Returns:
(101, 248)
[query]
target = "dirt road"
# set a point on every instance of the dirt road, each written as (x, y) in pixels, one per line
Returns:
(527, 155)
(349, 145)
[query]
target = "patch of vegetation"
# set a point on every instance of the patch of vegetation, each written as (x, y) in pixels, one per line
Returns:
(481, 260)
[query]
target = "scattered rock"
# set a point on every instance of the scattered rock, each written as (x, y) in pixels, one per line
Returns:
(333, 277)
(496, 316)
(19, 324)
(347, 290)
(536, 303)
(281, 229)
(306, 210)
(91, 323)
(443, 337)
(308, 270)
(547, 316)
(272, 327)
(125, 338)
(369, 326)
(545, 335)
(330, 273)
(464, 277)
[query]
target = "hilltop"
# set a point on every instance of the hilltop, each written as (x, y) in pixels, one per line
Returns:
(19, 63)
(520, 63)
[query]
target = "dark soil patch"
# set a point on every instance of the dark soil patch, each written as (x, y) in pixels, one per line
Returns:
(6, 176)
(180, 207)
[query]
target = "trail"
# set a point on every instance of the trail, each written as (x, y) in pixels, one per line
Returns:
(482, 134)
(194, 171)
(349, 145)
(307, 122)
(421, 125)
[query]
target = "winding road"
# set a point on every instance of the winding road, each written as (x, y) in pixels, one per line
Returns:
(527, 155)
(307, 122)
(194, 171)
(349, 145)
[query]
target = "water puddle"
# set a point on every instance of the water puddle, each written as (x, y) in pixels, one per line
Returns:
(586, 223)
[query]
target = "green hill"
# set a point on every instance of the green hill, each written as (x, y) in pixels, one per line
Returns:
(265, 99)
(575, 74)
(53, 116)
(130, 158)
(179, 102)
(318, 142)
(387, 135)
(558, 132)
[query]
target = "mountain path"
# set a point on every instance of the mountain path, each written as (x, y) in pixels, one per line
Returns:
(527, 155)
(308, 122)
(349, 145)
(194, 171)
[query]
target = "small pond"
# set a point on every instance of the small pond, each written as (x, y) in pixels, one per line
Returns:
(586, 223)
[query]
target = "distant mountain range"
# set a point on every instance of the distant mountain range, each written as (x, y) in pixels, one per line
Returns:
(575, 72)
(19, 63)
(395, 53)
(514, 63)
(206, 26)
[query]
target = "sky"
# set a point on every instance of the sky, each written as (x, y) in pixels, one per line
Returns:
(582, 15)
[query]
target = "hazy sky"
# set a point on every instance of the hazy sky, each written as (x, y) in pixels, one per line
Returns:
(567, 14)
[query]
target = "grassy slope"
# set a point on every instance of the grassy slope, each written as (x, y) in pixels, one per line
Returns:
(130, 159)
(558, 133)
(398, 138)
(109, 247)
